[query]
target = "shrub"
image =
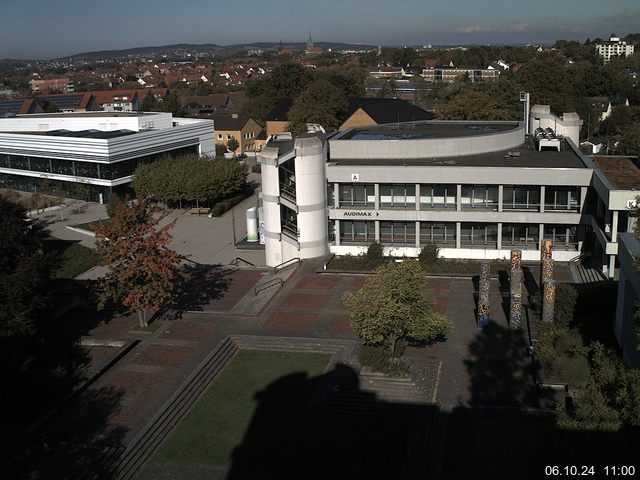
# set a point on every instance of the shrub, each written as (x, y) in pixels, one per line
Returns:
(429, 255)
(256, 168)
(565, 304)
(111, 205)
(376, 357)
(217, 210)
(375, 254)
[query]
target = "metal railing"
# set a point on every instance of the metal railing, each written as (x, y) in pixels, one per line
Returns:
(269, 284)
(237, 260)
(286, 264)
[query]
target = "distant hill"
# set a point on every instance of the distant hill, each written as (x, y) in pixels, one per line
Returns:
(208, 47)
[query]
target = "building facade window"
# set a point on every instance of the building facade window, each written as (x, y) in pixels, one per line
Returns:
(397, 196)
(565, 199)
(289, 220)
(516, 197)
(360, 195)
(563, 236)
(479, 235)
(438, 196)
(440, 234)
(398, 233)
(479, 197)
(520, 235)
(357, 232)
(77, 168)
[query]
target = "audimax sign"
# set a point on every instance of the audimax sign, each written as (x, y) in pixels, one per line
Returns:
(356, 213)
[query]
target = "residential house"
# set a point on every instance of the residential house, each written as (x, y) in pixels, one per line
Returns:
(277, 120)
(71, 102)
(61, 84)
(243, 129)
(19, 106)
(118, 100)
(377, 111)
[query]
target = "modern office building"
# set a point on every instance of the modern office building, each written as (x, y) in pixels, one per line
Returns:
(97, 151)
(475, 189)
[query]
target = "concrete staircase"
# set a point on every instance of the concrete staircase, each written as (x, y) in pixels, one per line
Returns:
(585, 274)
(147, 441)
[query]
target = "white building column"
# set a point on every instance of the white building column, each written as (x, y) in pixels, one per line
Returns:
(336, 195)
(542, 193)
(499, 246)
(376, 192)
(458, 201)
(614, 226)
(336, 231)
(377, 222)
(417, 234)
(500, 202)
(458, 230)
(417, 196)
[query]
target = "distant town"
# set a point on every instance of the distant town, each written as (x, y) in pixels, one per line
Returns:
(320, 260)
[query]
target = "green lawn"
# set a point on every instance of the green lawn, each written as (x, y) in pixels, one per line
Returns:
(218, 422)
(74, 257)
(253, 421)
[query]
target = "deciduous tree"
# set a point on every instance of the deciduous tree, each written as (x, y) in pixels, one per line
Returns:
(391, 306)
(143, 274)
(321, 102)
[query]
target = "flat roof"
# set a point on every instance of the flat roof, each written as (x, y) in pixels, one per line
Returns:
(622, 172)
(88, 114)
(98, 134)
(525, 156)
(421, 130)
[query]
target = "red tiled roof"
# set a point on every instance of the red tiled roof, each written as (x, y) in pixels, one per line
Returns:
(108, 96)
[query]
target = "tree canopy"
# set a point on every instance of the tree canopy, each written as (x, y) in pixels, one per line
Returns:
(321, 102)
(391, 306)
(143, 274)
(190, 178)
(474, 105)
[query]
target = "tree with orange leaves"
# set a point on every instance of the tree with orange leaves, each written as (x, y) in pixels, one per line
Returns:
(143, 274)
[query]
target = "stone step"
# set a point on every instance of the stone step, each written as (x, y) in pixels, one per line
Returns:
(148, 440)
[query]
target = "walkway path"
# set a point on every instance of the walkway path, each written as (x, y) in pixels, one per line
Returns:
(308, 306)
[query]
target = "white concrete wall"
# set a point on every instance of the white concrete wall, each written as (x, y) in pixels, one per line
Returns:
(311, 196)
(568, 125)
(270, 193)
(428, 147)
(455, 253)
(84, 121)
(102, 150)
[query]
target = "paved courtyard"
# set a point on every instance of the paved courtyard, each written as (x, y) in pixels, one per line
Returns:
(309, 305)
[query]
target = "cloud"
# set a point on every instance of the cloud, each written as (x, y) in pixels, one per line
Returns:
(513, 27)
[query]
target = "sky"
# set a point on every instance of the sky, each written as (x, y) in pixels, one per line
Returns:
(43, 29)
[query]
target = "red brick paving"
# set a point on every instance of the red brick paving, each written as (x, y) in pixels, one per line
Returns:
(188, 331)
(237, 282)
(115, 327)
(136, 384)
(163, 355)
(290, 321)
(441, 305)
(339, 323)
(324, 282)
(123, 416)
(303, 300)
